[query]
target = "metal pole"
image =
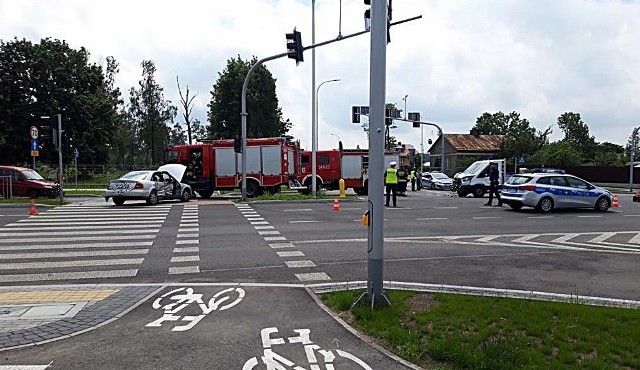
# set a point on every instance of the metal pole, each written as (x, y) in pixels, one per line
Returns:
(441, 149)
(243, 115)
(314, 123)
(377, 87)
(631, 161)
(60, 172)
(421, 147)
(317, 101)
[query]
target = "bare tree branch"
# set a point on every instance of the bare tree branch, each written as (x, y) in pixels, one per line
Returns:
(187, 106)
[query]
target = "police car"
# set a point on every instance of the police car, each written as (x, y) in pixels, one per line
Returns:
(547, 191)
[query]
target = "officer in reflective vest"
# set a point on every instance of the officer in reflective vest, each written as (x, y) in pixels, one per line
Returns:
(391, 182)
(413, 180)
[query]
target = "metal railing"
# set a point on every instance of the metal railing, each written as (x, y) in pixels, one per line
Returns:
(6, 187)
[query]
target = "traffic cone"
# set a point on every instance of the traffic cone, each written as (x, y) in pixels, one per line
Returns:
(32, 210)
(615, 201)
(336, 205)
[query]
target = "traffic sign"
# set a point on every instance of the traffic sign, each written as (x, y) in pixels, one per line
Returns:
(35, 153)
(33, 131)
(76, 153)
(34, 145)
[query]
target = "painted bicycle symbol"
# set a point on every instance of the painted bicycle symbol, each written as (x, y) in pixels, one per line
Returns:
(177, 300)
(275, 361)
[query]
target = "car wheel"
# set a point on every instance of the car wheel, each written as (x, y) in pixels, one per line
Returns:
(433, 186)
(153, 198)
(545, 205)
(186, 195)
(118, 201)
(602, 205)
(478, 191)
(515, 206)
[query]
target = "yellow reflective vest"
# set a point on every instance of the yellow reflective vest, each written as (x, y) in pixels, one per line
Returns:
(413, 175)
(391, 176)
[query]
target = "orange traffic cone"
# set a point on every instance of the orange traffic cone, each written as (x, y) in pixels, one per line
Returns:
(32, 210)
(336, 205)
(615, 201)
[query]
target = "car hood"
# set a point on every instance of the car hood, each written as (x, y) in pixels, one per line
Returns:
(174, 169)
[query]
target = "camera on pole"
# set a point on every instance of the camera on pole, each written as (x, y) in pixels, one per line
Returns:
(294, 46)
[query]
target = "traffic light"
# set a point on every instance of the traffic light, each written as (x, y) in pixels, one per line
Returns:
(45, 134)
(367, 18)
(294, 46)
(237, 144)
(355, 114)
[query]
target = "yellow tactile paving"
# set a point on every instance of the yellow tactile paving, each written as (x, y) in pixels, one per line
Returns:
(31, 296)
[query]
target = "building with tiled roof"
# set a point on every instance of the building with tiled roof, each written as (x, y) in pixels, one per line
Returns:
(458, 147)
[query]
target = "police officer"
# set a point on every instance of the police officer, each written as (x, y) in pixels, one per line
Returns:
(413, 180)
(403, 180)
(391, 182)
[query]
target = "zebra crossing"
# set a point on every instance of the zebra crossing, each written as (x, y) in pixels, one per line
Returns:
(79, 242)
(624, 242)
(186, 257)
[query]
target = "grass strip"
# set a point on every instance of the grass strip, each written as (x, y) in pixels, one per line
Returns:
(449, 331)
(47, 201)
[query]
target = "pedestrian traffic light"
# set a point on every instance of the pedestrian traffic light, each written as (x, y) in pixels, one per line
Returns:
(237, 144)
(294, 46)
(45, 134)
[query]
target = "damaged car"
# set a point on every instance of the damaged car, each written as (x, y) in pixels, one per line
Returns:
(151, 186)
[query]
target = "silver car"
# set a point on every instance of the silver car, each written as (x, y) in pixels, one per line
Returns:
(436, 180)
(151, 186)
(547, 191)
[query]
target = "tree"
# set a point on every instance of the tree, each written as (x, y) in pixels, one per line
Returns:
(519, 138)
(633, 145)
(50, 78)
(151, 114)
(187, 107)
(609, 154)
(198, 130)
(576, 132)
(559, 153)
(264, 115)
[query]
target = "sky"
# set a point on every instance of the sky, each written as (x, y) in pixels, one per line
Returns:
(463, 58)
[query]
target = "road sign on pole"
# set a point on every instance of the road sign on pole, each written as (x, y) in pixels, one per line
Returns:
(33, 132)
(76, 153)
(34, 145)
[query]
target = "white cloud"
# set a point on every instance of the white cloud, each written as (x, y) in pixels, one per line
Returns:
(463, 58)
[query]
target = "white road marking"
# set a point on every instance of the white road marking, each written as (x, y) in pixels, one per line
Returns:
(255, 219)
(351, 209)
(270, 232)
(96, 215)
(196, 229)
(263, 227)
(274, 238)
(176, 259)
(187, 242)
(189, 217)
(602, 237)
(73, 238)
(38, 219)
(281, 245)
(73, 254)
(259, 222)
(591, 216)
(298, 210)
(93, 232)
(525, 238)
(70, 246)
(313, 276)
(68, 275)
(290, 254)
(60, 264)
(485, 217)
(430, 218)
(635, 239)
(304, 222)
(187, 224)
(445, 207)
(631, 215)
(300, 264)
(23, 227)
(540, 217)
(196, 235)
(186, 250)
(488, 238)
(23, 367)
(251, 215)
(184, 270)
(564, 238)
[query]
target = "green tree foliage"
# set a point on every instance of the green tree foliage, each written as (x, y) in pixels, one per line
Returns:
(151, 114)
(50, 78)
(519, 138)
(264, 115)
(559, 153)
(576, 132)
(633, 144)
(609, 154)
(199, 131)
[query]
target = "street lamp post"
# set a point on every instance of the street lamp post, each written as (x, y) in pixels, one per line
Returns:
(314, 124)
(338, 137)
(317, 101)
(405, 106)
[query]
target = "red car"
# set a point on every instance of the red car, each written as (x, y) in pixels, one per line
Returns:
(20, 181)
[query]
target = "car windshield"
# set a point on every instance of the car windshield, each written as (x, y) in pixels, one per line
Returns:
(440, 176)
(519, 180)
(32, 175)
(475, 168)
(136, 175)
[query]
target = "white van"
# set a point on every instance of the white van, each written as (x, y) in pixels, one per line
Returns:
(475, 179)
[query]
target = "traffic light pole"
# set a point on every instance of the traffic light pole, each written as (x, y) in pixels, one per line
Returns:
(441, 139)
(245, 85)
(60, 171)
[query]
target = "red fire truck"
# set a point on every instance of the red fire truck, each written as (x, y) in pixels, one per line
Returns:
(349, 164)
(215, 165)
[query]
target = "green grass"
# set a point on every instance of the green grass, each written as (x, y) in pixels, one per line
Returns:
(449, 331)
(47, 201)
(296, 196)
(83, 192)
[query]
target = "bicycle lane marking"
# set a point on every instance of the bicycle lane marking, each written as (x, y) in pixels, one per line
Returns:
(221, 327)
